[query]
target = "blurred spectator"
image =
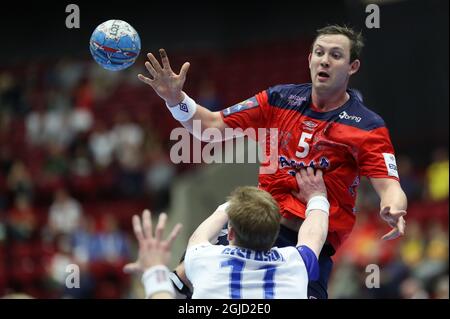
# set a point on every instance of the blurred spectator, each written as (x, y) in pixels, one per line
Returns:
(64, 214)
(438, 175)
(411, 288)
(110, 244)
(56, 165)
(158, 177)
(435, 261)
(81, 164)
(441, 288)
(81, 239)
(344, 282)
(102, 143)
(22, 220)
(129, 139)
(81, 116)
(35, 127)
(19, 181)
(413, 245)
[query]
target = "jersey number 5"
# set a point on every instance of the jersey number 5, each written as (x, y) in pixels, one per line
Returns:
(237, 267)
(303, 143)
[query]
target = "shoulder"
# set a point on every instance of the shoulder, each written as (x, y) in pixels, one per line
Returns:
(289, 95)
(360, 116)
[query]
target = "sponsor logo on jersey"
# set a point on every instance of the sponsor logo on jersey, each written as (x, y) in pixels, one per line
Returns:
(242, 106)
(344, 115)
(391, 165)
(284, 162)
(309, 125)
(296, 100)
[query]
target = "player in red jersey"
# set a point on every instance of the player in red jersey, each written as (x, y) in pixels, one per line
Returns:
(323, 124)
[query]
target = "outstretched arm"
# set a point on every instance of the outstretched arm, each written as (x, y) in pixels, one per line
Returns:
(313, 192)
(211, 227)
(393, 205)
(169, 86)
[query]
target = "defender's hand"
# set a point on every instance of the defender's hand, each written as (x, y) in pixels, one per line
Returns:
(167, 84)
(395, 219)
(310, 184)
(153, 250)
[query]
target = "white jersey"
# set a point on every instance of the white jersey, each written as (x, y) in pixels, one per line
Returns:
(224, 272)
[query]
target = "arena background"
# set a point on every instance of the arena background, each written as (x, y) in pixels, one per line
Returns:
(103, 137)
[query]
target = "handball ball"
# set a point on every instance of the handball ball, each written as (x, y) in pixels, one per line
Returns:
(115, 45)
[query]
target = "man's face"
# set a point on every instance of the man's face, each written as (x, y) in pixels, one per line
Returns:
(329, 62)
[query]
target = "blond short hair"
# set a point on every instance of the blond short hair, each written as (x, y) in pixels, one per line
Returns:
(255, 217)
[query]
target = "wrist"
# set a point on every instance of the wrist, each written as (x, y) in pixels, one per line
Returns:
(175, 101)
(318, 202)
(184, 110)
(156, 279)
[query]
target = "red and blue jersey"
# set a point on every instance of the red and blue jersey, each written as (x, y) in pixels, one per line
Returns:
(346, 143)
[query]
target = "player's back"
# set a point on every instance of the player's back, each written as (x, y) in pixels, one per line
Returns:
(223, 272)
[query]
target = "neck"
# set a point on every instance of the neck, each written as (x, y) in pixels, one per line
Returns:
(328, 101)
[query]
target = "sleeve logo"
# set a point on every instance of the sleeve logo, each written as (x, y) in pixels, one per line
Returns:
(391, 165)
(242, 106)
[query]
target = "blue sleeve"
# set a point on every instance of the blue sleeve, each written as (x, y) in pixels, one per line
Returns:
(311, 262)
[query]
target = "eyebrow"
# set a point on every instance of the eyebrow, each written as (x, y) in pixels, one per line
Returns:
(333, 48)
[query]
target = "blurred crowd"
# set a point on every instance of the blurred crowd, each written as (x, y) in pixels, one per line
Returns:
(83, 148)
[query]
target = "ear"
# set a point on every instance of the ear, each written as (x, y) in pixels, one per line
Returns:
(309, 59)
(354, 67)
(231, 234)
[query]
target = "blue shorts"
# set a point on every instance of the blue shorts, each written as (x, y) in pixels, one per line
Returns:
(287, 237)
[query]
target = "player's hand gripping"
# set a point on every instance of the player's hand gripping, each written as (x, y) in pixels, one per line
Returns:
(310, 184)
(395, 219)
(153, 250)
(166, 83)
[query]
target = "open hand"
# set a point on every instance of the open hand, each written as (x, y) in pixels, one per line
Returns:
(166, 83)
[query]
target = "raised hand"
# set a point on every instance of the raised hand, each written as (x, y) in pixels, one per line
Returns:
(166, 83)
(153, 250)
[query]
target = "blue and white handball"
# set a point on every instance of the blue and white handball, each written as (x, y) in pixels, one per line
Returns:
(115, 45)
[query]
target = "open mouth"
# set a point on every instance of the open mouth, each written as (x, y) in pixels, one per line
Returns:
(323, 74)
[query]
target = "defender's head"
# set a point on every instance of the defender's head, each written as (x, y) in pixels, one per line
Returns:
(254, 218)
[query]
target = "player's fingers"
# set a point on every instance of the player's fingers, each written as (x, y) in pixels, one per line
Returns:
(137, 228)
(399, 213)
(145, 79)
(303, 173)
(384, 213)
(401, 226)
(173, 235)
(147, 224)
(150, 69)
(165, 60)
(184, 70)
(310, 171)
(160, 226)
(154, 62)
(394, 233)
(131, 268)
(319, 173)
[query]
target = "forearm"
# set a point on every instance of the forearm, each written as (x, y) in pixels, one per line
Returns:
(204, 119)
(393, 196)
(314, 230)
(210, 228)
